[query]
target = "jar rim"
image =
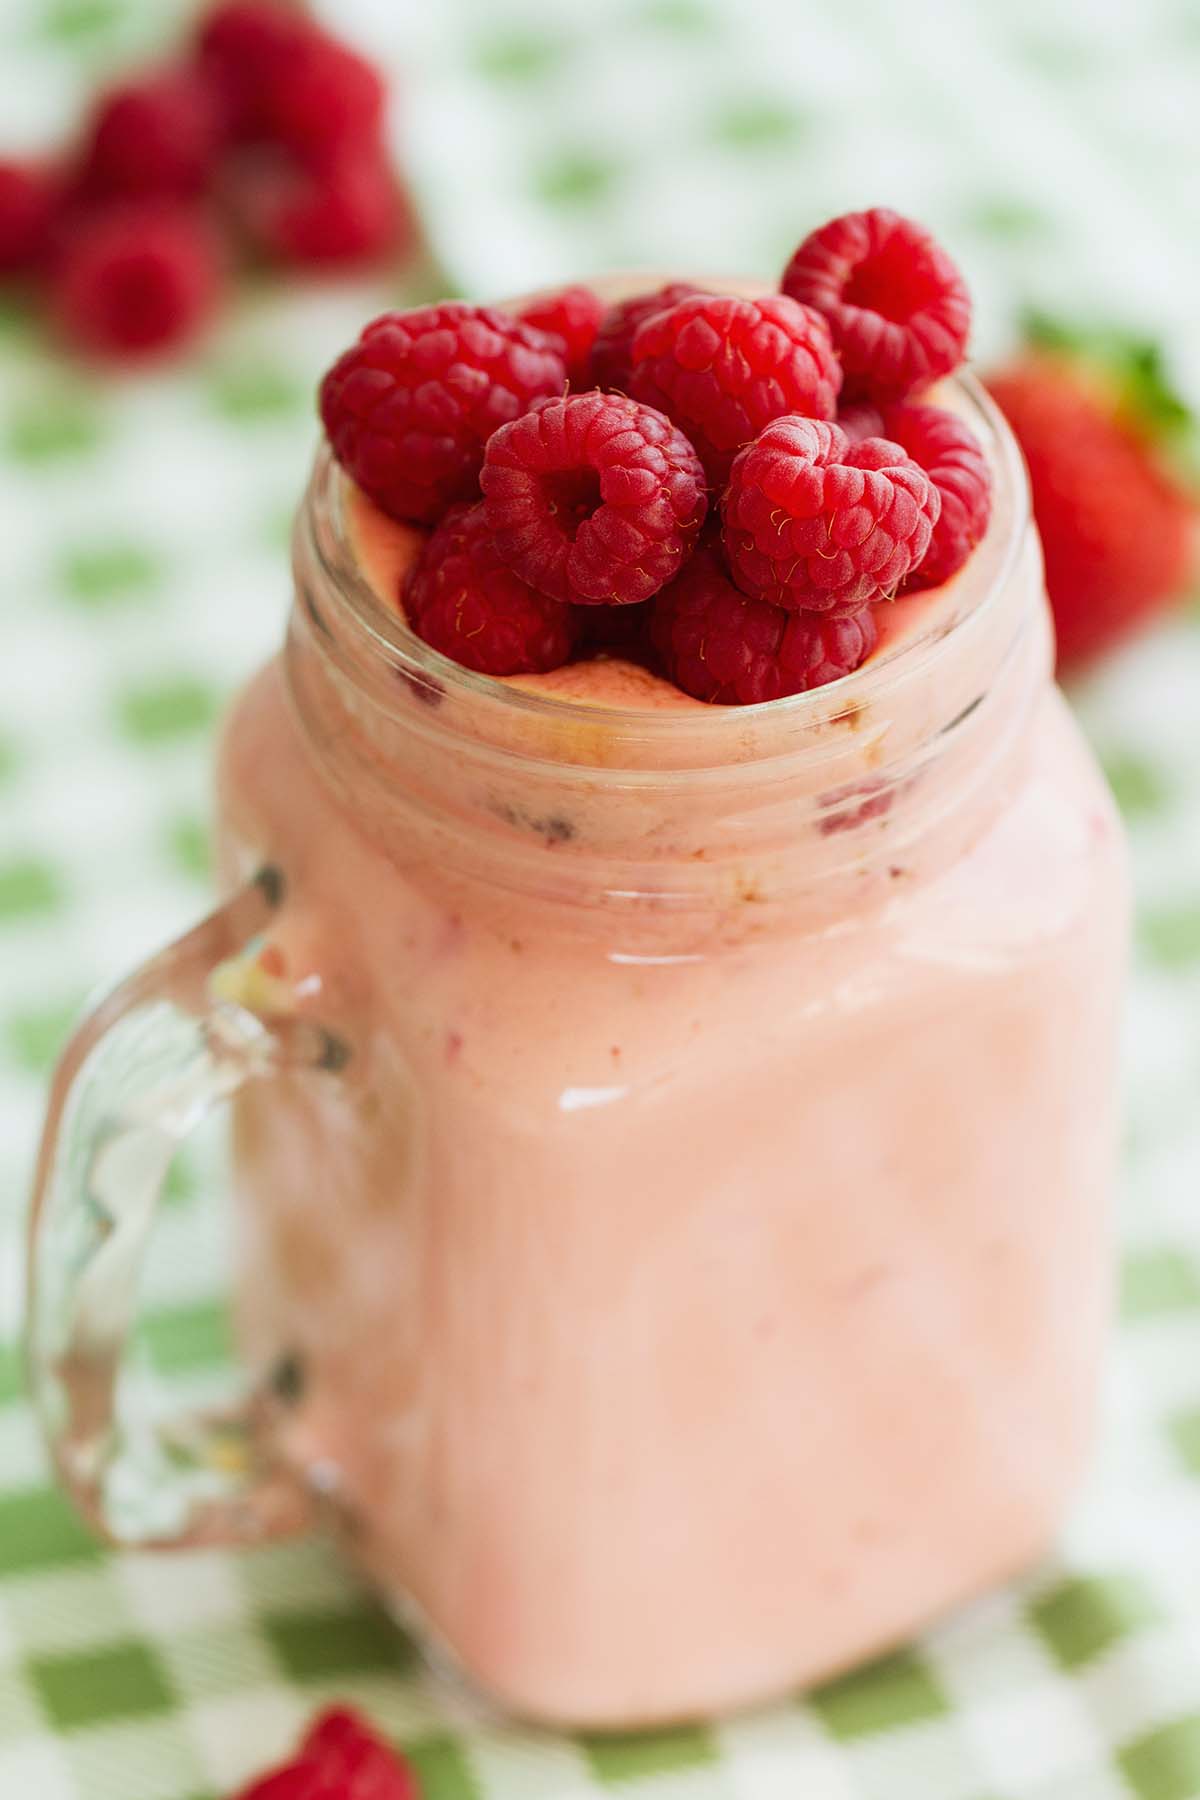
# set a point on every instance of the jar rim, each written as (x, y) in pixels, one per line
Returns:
(702, 736)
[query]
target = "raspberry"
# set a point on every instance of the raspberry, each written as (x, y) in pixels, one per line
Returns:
(350, 211)
(28, 203)
(409, 407)
(612, 353)
(155, 136)
(240, 47)
(952, 457)
(136, 280)
(284, 80)
(318, 95)
(723, 368)
(593, 498)
(897, 306)
(720, 646)
(818, 524)
(340, 1759)
(467, 603)
(572, 314)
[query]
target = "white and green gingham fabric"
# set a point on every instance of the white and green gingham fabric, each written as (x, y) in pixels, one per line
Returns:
(143, 571)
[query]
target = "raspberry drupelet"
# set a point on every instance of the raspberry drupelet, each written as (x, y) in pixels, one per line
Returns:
(952, 457)
(340, 1759)
(816, 523)
(464, 601)
(594, 498)
(719, 645)
(722, 368)
(611, 362)
(572, 314)
(896, 304)
(410, 406)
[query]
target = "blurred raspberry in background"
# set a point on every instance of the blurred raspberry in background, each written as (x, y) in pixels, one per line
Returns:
(264, 144)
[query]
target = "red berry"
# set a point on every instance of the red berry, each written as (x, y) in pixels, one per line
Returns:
(249, 33)
(349, 211)
(136, 280)
(340, 1759)
(467, 603)
(240, 46)
(897, 306)
(156, 136)
(572, 314)
(284, 80)
(28, 203)
(409, 407)
(320, 95)
(1118, 527)
(952, 457)
(593, 498)
(718, 645)
(611, 363)
(722, 368)
(816, 523)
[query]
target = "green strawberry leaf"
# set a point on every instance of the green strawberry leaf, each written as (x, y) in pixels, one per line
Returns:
(1149, 388)
(1044, 332)
(1136, 370)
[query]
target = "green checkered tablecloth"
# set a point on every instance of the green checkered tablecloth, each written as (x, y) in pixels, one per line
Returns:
(142, 548)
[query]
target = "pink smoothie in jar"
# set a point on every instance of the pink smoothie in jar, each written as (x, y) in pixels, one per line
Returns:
(696, 1280)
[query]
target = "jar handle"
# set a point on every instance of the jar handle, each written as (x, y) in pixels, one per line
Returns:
(179, 1036)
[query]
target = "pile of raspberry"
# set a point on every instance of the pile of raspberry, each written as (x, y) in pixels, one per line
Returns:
(264, 142)
(725, 489)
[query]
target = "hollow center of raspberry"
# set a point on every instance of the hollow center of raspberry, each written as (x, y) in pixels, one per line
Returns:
(890, 284)
(571, 496)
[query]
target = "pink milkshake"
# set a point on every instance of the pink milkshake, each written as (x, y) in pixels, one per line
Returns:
(673, 1142)
(699, 1273)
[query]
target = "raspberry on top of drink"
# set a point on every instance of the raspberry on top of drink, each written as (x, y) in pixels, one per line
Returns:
(665, 485)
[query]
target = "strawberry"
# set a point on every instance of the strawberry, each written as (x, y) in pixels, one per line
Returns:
(1117, 517)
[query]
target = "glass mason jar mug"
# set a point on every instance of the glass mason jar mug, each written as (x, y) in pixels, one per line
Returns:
(672, 1149)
